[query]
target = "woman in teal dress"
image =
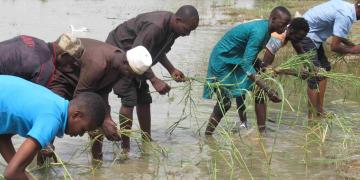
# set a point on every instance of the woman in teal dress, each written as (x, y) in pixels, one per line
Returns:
(232, 66)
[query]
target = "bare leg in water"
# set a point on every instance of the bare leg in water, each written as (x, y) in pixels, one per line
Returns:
(126, 117)
(221, 107)
(320, 104)
(96, 149)
(313, 100)
(260, 111)
(240, 104)
(144, 116)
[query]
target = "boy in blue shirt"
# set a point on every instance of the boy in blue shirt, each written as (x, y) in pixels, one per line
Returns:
(333, 18)
(36, 113)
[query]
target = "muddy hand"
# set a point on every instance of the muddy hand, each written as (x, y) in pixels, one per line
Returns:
(273, 96)
(110, 130)
(304, 75)
(161, 86)
(45, 153)
(29, 176)
(178, 76)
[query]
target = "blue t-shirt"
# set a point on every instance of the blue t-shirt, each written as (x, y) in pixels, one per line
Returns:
(333, 18)
(31, 110)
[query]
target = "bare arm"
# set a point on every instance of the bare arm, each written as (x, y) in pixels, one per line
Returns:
(24, 156)
(159, 85)
(176, 74)
(298, 48)
(166, 63)
(338, 46)
(347, 42)
(268, 58)
(270, 92)
(6, 147)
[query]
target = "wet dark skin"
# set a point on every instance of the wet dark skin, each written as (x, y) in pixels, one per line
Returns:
(182, 28)
(277, 23)
(78, 124)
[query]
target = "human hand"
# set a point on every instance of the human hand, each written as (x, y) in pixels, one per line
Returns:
(177, 75)
(304, 74)
(160, 86)
(273, 95)
(29, 176)
(45, 153)
(110, 130)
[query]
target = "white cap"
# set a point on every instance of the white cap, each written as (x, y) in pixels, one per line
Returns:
(139, 59)
(71, 45)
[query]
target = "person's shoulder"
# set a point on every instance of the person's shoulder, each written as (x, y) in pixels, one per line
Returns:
(250, 24)
(87, 41)
(154, 16)
(345, 9)
(155, 19)
(260, 26)
(96, 45)
(158, 13)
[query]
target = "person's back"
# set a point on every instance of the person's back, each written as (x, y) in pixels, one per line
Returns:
(34, 112)
(27, 57)
(97, 60)
(334, 17)
(144, 27)
(234, 42)
(24, 105)
(156, 31)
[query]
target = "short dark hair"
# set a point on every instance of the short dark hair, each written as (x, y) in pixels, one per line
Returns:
(187, 12)
(92, 105)
(280, 9)
(299, 24)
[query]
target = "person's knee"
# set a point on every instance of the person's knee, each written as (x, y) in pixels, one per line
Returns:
(260, 98)
(226, 103)
(240, 103)
(126, 110)
(313, 83)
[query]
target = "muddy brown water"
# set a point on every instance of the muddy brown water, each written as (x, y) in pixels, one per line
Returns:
(190, 156)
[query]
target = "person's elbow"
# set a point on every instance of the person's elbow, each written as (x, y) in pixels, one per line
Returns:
(334, 48)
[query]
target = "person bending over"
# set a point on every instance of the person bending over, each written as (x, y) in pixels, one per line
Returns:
(38, 114)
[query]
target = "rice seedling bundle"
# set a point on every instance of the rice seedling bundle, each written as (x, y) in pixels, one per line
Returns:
(340, 78)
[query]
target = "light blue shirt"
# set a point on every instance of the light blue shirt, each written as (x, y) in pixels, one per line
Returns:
(333, 18)
(31, 110)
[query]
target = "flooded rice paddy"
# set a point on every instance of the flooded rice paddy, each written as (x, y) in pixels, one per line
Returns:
(291, 149)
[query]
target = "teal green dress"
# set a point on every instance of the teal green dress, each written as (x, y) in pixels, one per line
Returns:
(233, 57)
